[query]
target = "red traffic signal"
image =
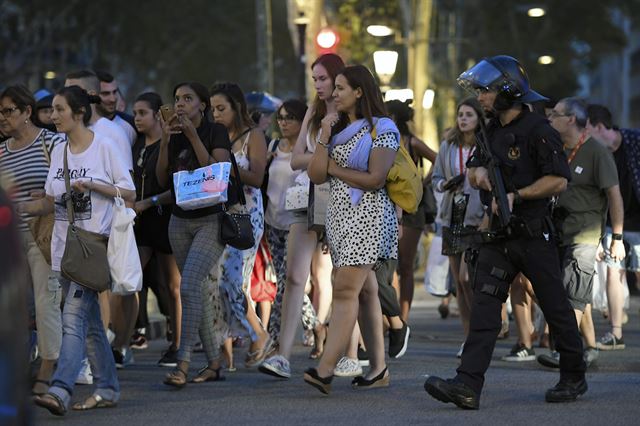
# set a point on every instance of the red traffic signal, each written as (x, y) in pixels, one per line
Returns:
(327, 40)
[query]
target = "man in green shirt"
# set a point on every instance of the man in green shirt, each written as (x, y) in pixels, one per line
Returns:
(580, 213)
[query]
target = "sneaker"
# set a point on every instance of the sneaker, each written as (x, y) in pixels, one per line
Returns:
(552, 360)
(277, 366)
(138, 341)
(363, 357)
(347, 367)
(591, 356)
(122, 358)
(169, 358)
(398, 341)
(520, 353)
(459, 354)
(610, 342)
(85, 377)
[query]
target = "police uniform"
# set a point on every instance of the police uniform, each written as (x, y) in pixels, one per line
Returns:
(527, 149)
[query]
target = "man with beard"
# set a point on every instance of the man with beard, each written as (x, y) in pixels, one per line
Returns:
(109, 92)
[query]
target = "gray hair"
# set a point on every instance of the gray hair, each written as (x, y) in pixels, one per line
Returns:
(578, 108)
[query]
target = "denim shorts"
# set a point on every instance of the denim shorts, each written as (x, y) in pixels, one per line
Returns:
(632, 248)
(578, 268)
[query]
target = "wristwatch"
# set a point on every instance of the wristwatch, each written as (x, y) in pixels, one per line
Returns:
(617, 237)
(517, 199)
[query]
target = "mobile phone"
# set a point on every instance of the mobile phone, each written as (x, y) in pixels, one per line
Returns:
(167, 112)
(453, 182)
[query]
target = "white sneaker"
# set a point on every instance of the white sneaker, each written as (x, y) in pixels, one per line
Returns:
(277, 366)
(459, 354)
(347, 367)
(85, 377)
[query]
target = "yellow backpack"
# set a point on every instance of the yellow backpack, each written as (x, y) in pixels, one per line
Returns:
(404, 182)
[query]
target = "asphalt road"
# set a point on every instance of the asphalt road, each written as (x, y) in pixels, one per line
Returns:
(513, 394)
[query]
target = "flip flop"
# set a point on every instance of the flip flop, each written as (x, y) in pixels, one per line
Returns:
(94, 401)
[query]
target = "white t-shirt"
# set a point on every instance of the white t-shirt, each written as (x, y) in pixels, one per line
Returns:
(93, 211)
(281, 177)
(113, 132)
(130, 131)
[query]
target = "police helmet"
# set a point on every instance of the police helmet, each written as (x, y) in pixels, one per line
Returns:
(504, 75)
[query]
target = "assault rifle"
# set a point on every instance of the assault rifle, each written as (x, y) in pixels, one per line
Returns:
(498, 191)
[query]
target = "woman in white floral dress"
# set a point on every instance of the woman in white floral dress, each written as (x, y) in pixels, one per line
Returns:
(235, 266)
(356, 149)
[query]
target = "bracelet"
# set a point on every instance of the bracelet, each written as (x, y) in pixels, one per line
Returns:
(617, 237)
(319, 142)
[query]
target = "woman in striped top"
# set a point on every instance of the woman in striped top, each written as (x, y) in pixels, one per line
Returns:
(24, 160)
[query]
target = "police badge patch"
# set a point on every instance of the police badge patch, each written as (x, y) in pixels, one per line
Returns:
(514, 153)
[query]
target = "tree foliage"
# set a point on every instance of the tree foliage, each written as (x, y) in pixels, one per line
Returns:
(147, 44)
(576, 33)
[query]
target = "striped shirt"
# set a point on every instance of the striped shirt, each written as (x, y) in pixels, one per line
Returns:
(27, 168)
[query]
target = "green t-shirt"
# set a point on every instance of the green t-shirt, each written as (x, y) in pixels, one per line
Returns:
(593, 171)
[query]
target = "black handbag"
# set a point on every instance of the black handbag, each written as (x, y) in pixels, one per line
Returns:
(235, 228)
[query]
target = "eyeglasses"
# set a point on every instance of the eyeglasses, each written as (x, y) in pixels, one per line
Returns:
(7, 111)
(287, 118)
(554, 114)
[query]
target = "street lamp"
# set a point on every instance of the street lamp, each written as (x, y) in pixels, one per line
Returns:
(401, 95)
(427, 99)
(379, 30)
(385, 62)
(536, 12)
(546, 60)
(50, 75)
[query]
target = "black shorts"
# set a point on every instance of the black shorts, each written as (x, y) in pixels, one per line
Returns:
(151, 229)
(578, 269)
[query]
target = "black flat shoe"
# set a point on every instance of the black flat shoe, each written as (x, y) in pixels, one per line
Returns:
(323, 384)
(380, 381)
(451, 390)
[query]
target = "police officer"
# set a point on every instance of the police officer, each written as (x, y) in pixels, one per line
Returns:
(531, 160)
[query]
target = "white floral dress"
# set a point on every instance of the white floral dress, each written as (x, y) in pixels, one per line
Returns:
(366, 233)
(235, 266)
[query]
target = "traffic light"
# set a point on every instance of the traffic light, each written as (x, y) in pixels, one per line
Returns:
(327, 41)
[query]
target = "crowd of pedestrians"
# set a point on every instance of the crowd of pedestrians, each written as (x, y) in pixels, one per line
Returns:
(331, 249)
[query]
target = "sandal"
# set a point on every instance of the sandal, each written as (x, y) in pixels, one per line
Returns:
(205, 375)
(94, 401)
(51, 402)
(176, 378)
(255, 358)
(323, 384)
(320, 337)
(37, 382)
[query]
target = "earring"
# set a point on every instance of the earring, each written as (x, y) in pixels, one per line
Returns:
(26, 121)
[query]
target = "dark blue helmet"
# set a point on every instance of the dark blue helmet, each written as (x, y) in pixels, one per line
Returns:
(502, 74)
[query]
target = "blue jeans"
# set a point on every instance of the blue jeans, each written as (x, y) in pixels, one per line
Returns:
(82, 328)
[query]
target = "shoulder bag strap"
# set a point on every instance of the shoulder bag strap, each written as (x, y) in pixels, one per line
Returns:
(45, 150)
(67, 184)
(236, 171)
(273, 149)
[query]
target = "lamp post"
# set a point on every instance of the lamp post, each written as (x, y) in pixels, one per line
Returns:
(385, 62)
